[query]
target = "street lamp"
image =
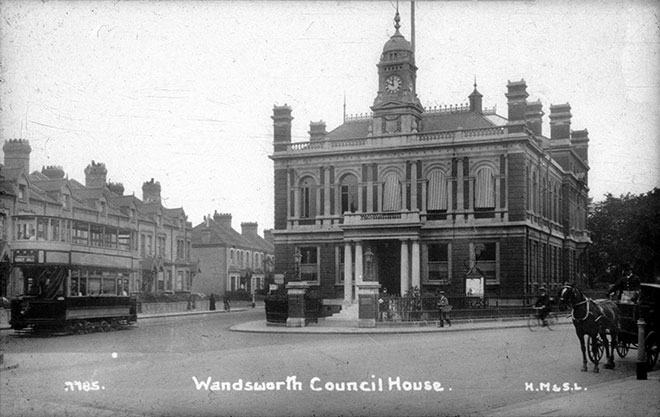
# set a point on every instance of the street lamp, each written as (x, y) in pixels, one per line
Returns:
(369, 262)
(297, 257)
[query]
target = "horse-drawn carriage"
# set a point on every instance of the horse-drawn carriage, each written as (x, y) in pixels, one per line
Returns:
(611, 325)
(647, 308)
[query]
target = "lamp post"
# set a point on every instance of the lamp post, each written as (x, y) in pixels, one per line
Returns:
(297, 257)
(369, 262)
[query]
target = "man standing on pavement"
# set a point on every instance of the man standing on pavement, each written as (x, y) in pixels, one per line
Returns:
(443, 310)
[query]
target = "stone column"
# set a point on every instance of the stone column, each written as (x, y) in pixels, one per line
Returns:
(348, 273)
(416, 282)
(296, 291)
(326, 202)
(368, 304)
(405, 283)
(359, 270)
(413, 186)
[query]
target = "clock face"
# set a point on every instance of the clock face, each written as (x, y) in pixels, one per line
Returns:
(393, 83)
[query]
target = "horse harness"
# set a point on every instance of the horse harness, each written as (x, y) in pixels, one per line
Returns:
(598, 316)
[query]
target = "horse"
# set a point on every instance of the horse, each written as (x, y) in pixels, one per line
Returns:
(593, 318)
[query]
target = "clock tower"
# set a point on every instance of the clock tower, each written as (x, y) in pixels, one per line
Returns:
(397, 108)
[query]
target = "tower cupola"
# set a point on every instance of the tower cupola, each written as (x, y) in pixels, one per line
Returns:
(396, 108)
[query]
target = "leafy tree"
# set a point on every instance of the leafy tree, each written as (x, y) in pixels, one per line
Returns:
(625, 229)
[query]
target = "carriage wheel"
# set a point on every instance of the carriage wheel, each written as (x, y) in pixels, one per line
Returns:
(652, 344)
(105, 326)
(551, 319)
(600, 348)
(622, 348)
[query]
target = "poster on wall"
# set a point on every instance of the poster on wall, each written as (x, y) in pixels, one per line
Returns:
(474, 287)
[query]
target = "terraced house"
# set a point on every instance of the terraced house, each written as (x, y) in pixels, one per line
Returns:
(92, 235)
(228, 260)
(456, 198)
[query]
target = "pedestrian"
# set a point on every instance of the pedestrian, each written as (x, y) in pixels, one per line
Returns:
(443, 310)
(212, 302)
(226, 302)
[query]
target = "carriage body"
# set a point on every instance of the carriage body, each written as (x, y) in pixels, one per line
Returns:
(647, 307)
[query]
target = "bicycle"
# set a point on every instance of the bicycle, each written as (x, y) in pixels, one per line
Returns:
(534, 321)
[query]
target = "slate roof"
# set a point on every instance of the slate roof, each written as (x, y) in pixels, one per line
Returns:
(220, 235)
(431, 122)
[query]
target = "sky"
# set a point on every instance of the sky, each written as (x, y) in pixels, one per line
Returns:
(183, 91)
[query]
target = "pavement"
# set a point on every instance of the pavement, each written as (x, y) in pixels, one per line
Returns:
(628, 396)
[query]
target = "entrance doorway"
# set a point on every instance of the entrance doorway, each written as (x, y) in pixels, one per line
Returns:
(388, 265)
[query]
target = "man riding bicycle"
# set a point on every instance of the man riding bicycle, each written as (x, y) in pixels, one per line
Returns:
(543, 305)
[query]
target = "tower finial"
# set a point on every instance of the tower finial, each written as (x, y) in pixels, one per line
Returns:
(397, 19)
(475, 81)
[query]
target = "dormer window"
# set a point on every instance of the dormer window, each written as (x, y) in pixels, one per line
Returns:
(66, 201)
(104, 208)
(22, 191)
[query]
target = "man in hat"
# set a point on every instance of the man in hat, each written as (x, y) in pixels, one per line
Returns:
(627, 286)
(443, 310)
(543, 303)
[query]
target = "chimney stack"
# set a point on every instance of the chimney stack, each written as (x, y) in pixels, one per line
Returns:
(317, 130)
(534, 116)
(268, 236)
(53, 172)
(517, 100)
(281, 127)
(17, 154)
(223, 219)
(95, 175)
(580, 142)
(249, 229)
(151, 191)
(560, 121)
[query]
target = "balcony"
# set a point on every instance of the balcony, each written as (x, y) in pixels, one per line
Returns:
(385, 218)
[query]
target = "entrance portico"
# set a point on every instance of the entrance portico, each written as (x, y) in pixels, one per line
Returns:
(396, 265)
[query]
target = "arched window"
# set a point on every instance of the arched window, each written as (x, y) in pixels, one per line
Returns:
(391, 192)
(484, 189)
(307, 198)
(437, 191)
(349, 193)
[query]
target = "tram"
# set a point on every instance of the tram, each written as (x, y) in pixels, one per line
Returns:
(50, 303)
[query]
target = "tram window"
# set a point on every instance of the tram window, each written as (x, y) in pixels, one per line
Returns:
(94, 286)
(109, 287)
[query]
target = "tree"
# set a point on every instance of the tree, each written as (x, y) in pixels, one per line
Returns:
(625, 229)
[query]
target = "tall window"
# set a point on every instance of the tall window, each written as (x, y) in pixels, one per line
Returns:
(438, 261)
(391, 192)
(485, 257)
(349, 194)
(484, 189)
(436, 196)
(307, 198)
(309, 263)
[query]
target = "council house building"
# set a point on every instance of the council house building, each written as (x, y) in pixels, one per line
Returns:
(457, 198)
